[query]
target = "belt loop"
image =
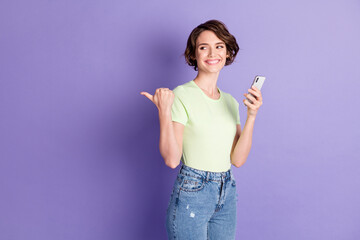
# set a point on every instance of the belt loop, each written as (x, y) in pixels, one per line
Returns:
(207, 176)
(181, 168)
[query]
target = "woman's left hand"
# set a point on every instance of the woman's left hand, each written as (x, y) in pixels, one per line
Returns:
(256, 101)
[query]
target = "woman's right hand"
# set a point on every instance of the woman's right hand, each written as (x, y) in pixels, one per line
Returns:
(163, 99)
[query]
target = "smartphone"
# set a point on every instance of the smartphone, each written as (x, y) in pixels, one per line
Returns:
(258, 82)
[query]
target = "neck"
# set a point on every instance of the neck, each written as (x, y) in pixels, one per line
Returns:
(207, 81)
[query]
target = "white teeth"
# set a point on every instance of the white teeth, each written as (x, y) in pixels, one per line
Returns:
(211, 62)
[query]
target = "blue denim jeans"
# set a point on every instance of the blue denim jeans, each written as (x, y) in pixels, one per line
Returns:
(202, 205)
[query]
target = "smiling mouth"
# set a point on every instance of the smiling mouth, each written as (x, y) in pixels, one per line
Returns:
(212, 62)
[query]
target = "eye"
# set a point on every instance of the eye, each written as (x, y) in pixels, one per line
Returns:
(220, 46)
(202, 48)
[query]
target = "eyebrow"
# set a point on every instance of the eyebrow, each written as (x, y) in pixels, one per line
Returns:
(208, 44)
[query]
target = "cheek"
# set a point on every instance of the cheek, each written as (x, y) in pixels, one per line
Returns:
(200, 55)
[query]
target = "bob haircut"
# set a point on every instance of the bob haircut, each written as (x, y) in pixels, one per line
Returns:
(221, 31)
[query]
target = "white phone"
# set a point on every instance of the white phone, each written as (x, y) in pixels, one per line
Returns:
(258, 82)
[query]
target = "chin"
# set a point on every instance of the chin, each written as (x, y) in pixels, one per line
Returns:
(211, 69)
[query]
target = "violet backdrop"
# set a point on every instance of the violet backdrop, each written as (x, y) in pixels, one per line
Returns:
(79, 155)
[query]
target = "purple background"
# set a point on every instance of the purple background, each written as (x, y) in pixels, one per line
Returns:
(79, 144)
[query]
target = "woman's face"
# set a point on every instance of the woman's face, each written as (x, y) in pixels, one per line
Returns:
(210, 52)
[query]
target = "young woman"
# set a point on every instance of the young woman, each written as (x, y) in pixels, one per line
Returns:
(200, 126)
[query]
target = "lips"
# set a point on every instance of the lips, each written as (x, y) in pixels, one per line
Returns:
(212, 61)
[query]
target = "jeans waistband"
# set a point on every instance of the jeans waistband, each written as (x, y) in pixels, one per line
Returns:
(215, 176)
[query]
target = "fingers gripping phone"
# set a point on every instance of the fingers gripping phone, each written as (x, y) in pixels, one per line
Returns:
(258, 82)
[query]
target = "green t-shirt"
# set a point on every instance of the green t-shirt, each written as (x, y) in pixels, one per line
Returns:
(210, 127)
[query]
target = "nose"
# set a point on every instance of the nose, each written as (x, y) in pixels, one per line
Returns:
(210, 52)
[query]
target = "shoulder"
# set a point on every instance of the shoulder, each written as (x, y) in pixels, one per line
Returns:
(178, 90)
(229, 98)
(183, 89)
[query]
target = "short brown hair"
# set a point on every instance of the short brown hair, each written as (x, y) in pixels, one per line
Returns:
(221, 31)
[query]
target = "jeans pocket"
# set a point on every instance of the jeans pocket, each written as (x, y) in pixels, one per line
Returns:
(192, 184)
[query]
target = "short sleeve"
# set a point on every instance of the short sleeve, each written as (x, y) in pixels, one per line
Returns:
(178, 111)
(237, 112)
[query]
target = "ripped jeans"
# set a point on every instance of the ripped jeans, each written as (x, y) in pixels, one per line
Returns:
(202, 205)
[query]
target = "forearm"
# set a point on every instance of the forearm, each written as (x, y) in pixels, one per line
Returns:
(169, 148)
(243, 145)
